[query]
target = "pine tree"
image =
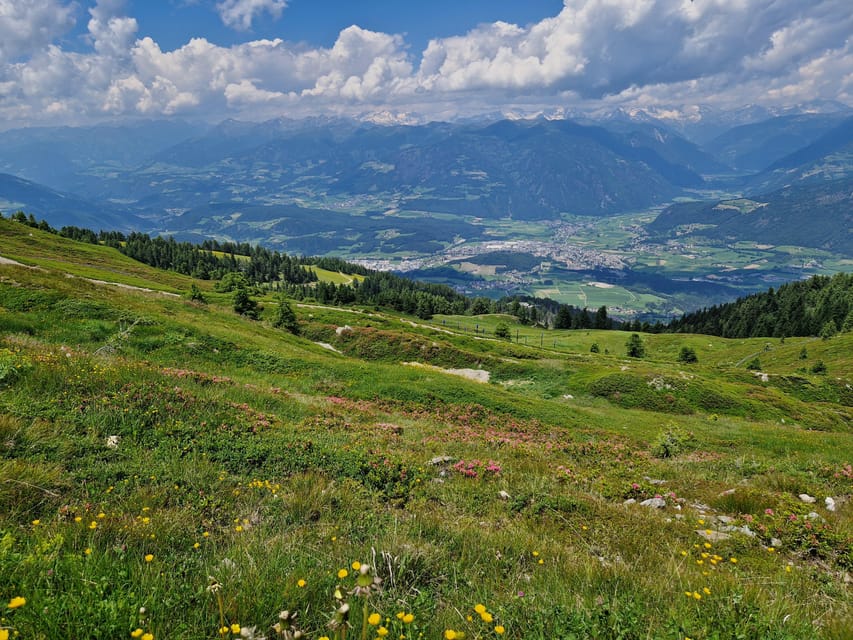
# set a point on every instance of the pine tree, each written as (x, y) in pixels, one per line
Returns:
(635, 347)
(285, 318)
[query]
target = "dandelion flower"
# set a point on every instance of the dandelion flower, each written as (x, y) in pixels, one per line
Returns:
(149, 557)
(697, 595)
(356, 565)
(382, 632)
(196, 545)
(235, 628)
(374, 619)
(342, 573)
(93, 525)
(409, 618)
(541, 561)
(486, 617)
(707, 545)
(500, 630)
(480, 608)
(449, 634)
(17, 601)
(136, 633)
(684, 553)
(301, 583)
(147, 636)
(206, 534)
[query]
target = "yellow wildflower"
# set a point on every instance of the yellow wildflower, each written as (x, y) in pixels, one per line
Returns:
(382, 632)
(480, 608)
(93, 525)
(4, 634)
(147, 636)
(707, 591)
(486, 616)
(136, 633)
(374, 619)
(88, 551)
(356, 565)
(17, 601)
(409, 618)
(342, 573)
(449, 634)
(36, 523)
(499, 630)
(149, 557)
(235, 628)
(301, 583)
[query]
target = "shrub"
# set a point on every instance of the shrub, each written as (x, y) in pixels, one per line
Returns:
(635, 347)
(754, 364)
(819, 367)
(687, 355)
(502, 331)
(285, 318)
(595, 348)
(671, 442)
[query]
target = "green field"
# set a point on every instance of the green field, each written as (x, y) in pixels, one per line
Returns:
(171, 468)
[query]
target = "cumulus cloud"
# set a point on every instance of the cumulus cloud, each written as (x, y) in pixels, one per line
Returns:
(593, 52)
(239, 14)
(27, 26)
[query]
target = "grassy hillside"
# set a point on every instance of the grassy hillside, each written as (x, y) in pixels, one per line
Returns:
(173, 469)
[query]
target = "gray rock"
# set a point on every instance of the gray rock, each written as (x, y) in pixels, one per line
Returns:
(441, 460)
(830, 503)
(727, 492)
(744, 530)
(630, 501)
(775, 542)
(807, 498)
(814, 516)
(657, 503)
(713, 536)
(653, 480)
(503, 495)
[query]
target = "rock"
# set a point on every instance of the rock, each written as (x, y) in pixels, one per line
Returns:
(653, 480)
(725, 519)
(814, 516)
(830, 504)
(775, 543)
(503, 495)
(807, 498)
(657, 503)
(344, 329)
(713, 536)
(744, 530)
(112, 442)
(630, 501)
(727, 492)
(440, 460)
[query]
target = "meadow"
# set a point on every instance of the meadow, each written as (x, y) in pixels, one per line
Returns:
(169, 469)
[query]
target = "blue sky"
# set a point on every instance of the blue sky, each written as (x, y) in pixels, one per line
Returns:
(318, 22)
(80, 61)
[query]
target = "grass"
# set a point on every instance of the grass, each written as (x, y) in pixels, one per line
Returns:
(174, 468)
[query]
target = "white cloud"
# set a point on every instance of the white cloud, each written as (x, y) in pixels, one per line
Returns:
(619, 52)
(239, 14)
(27, 26)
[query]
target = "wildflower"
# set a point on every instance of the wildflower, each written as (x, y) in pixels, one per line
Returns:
(206, 534)
(356, 565)
(479, 608)
(147, 636)
(342, 573)
(707, 591)
(88, 551)
(17, 601)
(223, 631)
(787, 568)
(771, 549)
(301, 583)
(196, 545)
(486, 617)
(684, 553)
(78, 518)
(500, 630)
(4, 634)
(707, 545)
(400, 615)
(136, 633)
(733, 560)
(102, 515)
(382, 632)
(697, 595)
(36, 523)
(374, 619)
(689, 594)
(535, 554)
(238, 528)
(450, 634)
(409, 618)
(235, 628)
(93, 525)
(541, 561)
(149, 557)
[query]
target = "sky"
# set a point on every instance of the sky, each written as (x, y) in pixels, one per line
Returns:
(75, 62)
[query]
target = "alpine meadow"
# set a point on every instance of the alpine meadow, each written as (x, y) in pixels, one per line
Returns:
(481, 320)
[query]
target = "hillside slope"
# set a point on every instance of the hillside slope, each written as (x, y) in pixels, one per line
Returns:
(146, 436)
